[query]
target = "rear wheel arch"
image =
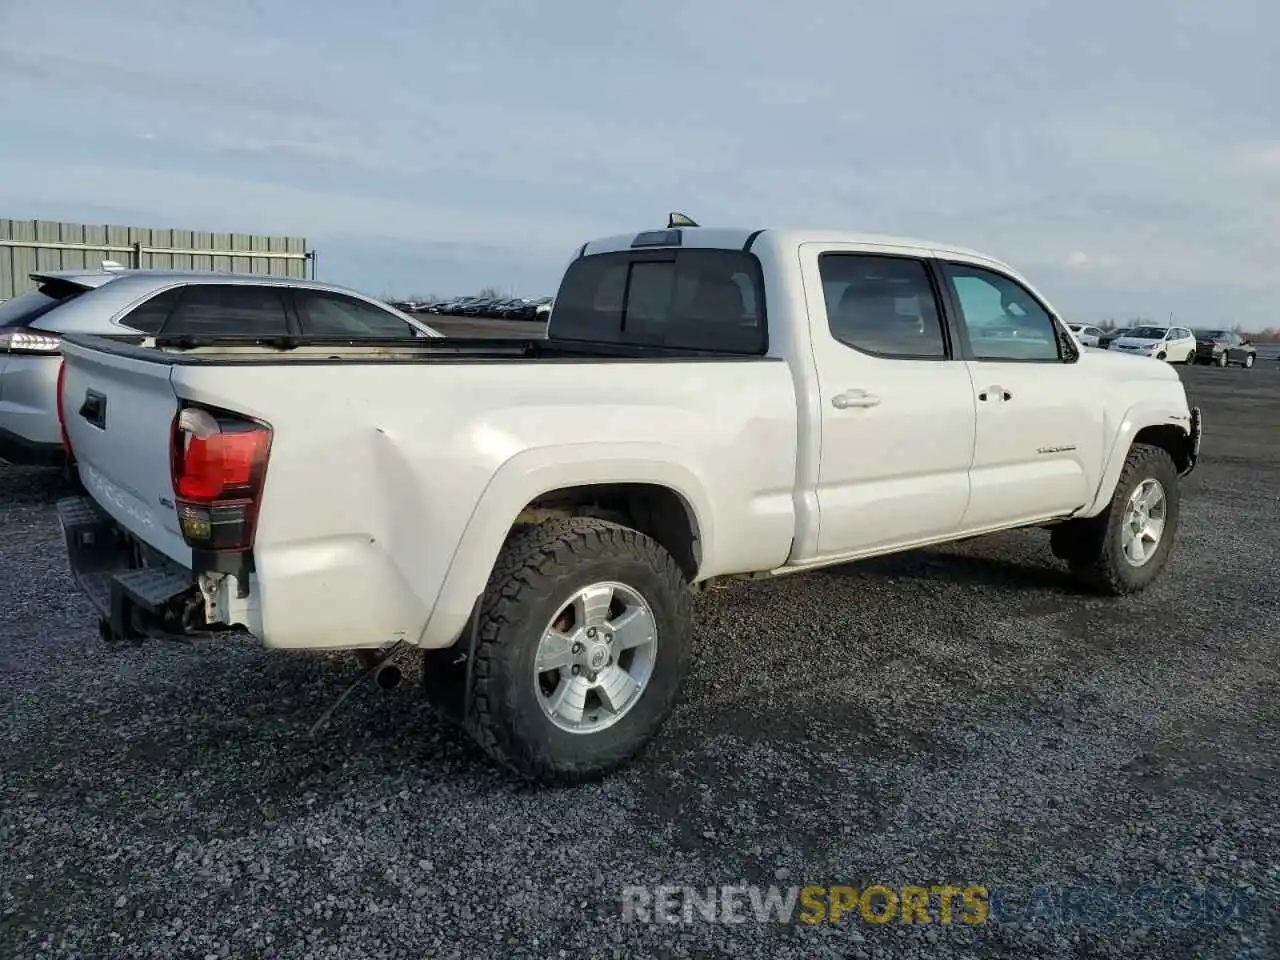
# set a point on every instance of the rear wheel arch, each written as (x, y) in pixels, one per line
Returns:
(646, 490)
(654, 509)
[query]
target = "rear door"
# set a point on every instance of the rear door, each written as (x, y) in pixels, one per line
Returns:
(897, 410)
(119, 410)
(1235, 348)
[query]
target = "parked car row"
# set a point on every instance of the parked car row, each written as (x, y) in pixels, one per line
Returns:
(1174, 344)
(509, 308)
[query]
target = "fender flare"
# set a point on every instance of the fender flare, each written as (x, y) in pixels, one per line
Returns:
(1136, 419)
(532, 473)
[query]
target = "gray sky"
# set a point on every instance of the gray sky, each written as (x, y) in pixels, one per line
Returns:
(1126, 156)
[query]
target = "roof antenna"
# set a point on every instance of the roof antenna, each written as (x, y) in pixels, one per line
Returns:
(678, 220)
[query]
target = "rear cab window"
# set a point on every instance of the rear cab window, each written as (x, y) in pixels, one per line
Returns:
(685, 298)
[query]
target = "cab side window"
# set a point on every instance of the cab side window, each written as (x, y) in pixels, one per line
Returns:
(882, 305)
(1003, 319)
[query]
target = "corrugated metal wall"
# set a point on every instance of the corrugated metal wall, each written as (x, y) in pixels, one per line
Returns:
(27, 246)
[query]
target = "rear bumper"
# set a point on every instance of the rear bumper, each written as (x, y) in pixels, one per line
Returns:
(24, 452)
(136, 591)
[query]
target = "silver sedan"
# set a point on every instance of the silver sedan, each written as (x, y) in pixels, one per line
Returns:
(152, 302)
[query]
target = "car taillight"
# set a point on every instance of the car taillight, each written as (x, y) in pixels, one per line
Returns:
(22, 340)
(62, 418)
(219, 464)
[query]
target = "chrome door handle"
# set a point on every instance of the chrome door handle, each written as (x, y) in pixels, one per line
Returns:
(996, 393)
(854, 398)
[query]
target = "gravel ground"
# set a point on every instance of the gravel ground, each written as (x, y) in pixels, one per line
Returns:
(954, 715)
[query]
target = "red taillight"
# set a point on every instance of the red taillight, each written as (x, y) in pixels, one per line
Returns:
(62, 418)
(219, 464)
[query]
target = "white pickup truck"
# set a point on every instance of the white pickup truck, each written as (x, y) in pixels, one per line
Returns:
(534, 515)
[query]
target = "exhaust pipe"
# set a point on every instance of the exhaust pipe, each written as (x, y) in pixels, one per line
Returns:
(386, 675)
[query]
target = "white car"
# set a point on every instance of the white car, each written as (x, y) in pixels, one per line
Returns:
(1087, 335)
(532, 514)
(155, 302)
(1174, 344)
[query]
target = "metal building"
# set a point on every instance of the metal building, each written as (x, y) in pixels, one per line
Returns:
(28, 246)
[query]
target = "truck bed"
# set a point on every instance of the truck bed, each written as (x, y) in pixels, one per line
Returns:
(397, 468)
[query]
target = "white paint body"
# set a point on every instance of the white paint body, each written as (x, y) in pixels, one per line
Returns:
(391, 486)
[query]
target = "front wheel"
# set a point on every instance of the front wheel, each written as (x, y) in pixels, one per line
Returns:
(1248, 360)
(583, 646)
(1191, 357)
(1224, 359)
(1123, 549)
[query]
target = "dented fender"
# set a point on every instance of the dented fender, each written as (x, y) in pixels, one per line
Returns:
(1137, 418)
(532, 473)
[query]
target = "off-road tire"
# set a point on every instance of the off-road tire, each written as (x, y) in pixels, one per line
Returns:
(537, 572)
(1093, 547)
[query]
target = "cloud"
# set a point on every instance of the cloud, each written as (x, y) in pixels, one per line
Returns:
(1079, 260)
(1261, 157)
(1134, 166)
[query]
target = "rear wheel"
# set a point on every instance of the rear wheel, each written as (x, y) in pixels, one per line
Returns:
(1191, 357)
(1248, 360)
(583, 645)
(1123, 549)
(1223, 360)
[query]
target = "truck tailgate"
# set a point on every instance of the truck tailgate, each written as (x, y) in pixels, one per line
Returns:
(119, 414)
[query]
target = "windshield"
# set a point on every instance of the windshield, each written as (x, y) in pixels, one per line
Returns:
(26, 308)
(1210, 334)
(1147, 333)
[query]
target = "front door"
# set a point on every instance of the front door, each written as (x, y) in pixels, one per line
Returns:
(896, 411)
(1038, 445)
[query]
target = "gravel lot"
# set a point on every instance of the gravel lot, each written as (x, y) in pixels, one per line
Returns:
(954, 715)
